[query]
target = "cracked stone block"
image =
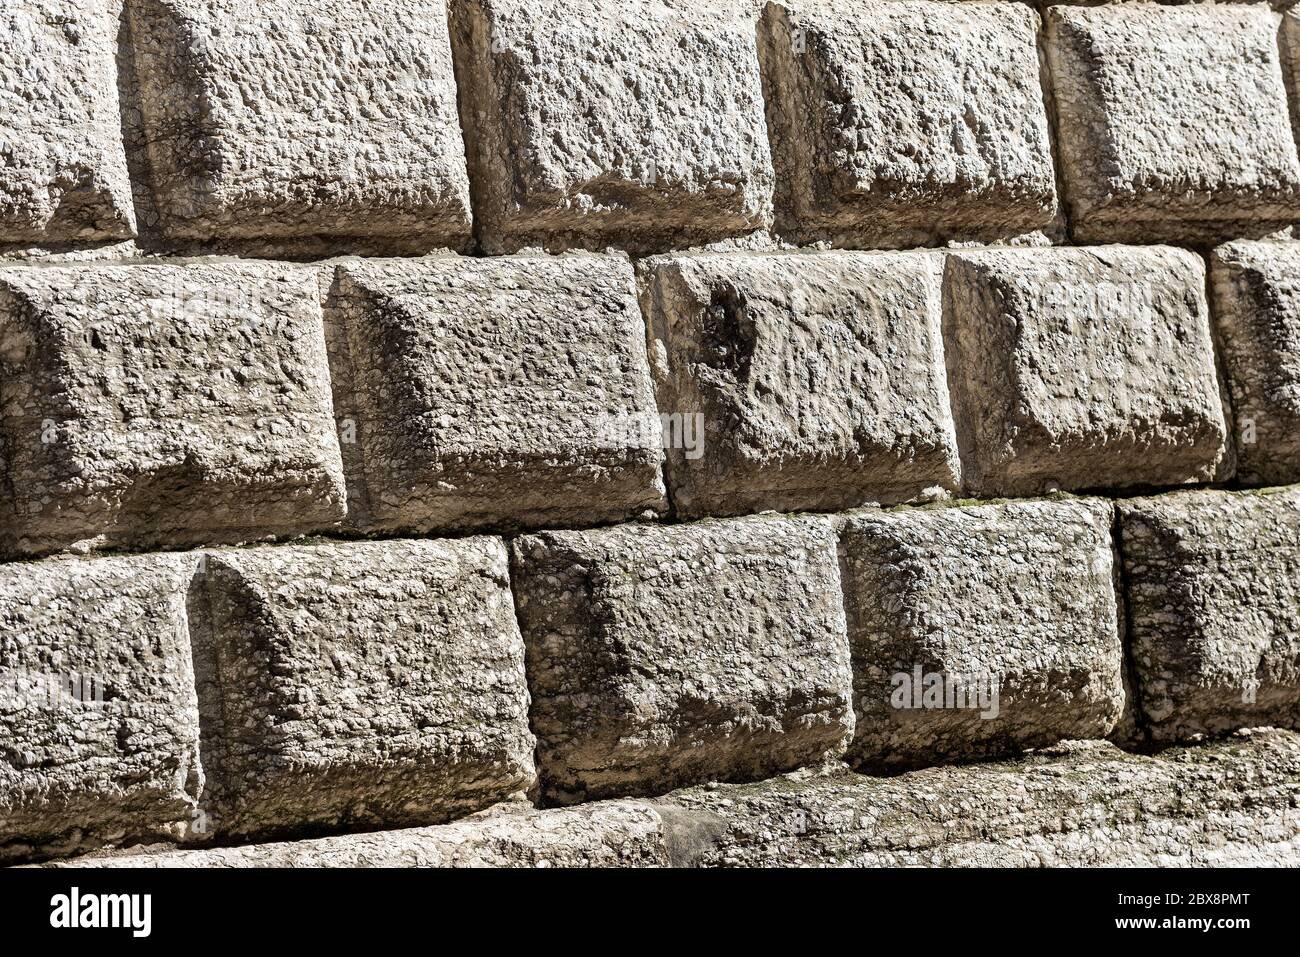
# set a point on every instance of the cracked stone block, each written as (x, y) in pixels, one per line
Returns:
(638, 124)
(1174, 125)
(1083, 369)
(1257, 311)
(99, 728)
(359, 685)
(979, 631)
(274, 118)
(819, 379)
(63, 173)
(1213, 592)
(907, 122)
(660, 656)
(164, 405)
(497, 392)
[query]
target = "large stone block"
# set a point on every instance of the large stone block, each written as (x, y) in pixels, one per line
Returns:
(1083, 369)
(660, 656)
(495, 392)
(981, 630)
(1257, 299)
(907, 122)
(274, 118)
(819, 377)
(164, 405)
(99, 729)
(1213, 592)
(371, 684)
(62, 165)
(1173, 121)
(637, 124)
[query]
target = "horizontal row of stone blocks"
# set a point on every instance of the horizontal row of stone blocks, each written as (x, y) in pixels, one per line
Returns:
(151, 404)
(648, 124)
(302, 689)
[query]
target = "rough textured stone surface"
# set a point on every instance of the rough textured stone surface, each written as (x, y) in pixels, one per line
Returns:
(372, 684)
(1008, 611)
(1083, 369)
(148, 405)
(638, 124)
(906, 123)
(495, 392)
(662, 656)
(277, 118)
(1257, 309)
(820, 378)
(63, 170)
(99, 730)
(1213, 593)
(1173, 121)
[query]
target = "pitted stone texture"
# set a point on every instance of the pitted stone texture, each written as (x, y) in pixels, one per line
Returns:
(99, 730)
(164, 405)
(1173, 121)
(661, 656)
(1083, 369)
(1213, 592)
(506, 392)
(820, 379)
(1257, 300)
(370, 684)
(63, 174)
(274, 118)
(907, 122)
(637, 124)
(983, 630)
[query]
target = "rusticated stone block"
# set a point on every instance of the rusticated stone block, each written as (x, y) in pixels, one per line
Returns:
(588, 124)
(370, 684)
(661, 656)
(1083, 369)
(506, 392)
(819, 379)
(1213, 592)
(164, 405)
(99, 729)
(62, 165)
(907, 122)
(274, 118)
(981, 630)
(1257, 299)
(1173, 121)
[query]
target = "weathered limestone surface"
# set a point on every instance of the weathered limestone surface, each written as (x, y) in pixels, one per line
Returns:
(99, 729)
(1083, 369)
(371, 684)
(283, 119)
(1173, 121)
(63, 173)
(1214, 609)
(820, 378)
(637, 124)
(1084, 804)
(1257, 309)
(982, 630)
(503, 392)
(907, 123)
(164, 405)
(664, 656)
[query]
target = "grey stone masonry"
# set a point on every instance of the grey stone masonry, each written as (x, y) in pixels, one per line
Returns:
(983, 630)
(1213, 592)
(664, 656)
(164, 405)
(361, 685)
